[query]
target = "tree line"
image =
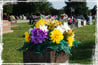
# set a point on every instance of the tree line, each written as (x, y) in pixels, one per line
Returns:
(29, 8)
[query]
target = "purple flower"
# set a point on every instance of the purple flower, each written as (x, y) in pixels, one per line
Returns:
(53, 17)
(46, 17)
(38, 36)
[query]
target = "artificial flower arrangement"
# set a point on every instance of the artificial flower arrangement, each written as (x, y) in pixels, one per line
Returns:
(49, 33)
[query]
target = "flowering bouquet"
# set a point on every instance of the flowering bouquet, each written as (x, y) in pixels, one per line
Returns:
(49, 33)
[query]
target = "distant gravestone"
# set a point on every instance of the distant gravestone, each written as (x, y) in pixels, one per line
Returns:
(78, 22)
(24, 17)
(20, 17)
(90, 20)
(6, 26)
(84, 22)
(13, 21)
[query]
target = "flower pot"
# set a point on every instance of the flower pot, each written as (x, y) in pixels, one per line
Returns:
(50, 56)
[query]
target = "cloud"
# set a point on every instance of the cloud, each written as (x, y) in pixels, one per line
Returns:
(57, 0)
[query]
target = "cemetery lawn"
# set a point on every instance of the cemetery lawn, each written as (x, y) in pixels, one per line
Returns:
(82, 54)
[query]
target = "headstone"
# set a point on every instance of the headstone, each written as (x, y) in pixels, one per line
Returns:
(90, 20)
(79, 23)
(24, 17)
(73, 26)
(13, 21)
(84, 22)
(6, 26)
(20, 17)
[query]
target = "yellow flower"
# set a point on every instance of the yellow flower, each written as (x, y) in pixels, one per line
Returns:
(69, 33)
(56, 36)
(40, 22)
(70, 41)
(27, 38)
(56, 22)
(51, 26)
(48, 21)
(68, 36)
(60, 23)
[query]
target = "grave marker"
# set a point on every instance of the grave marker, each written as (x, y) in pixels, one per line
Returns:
(78, 22)
(84, 22)
(90, 20)
(6, 26)
(24, 17)
(13, 22)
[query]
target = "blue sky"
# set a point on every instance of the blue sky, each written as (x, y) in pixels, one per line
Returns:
(58, 4)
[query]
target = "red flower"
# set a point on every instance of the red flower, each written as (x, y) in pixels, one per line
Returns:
(63, 16)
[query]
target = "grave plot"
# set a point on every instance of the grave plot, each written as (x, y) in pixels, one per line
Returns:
(6, 26)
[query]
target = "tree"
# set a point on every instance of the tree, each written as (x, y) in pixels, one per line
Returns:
(8, 8)
(54, 11)
(61, 11)
(31, 8)
(94, 10)
(77, 8)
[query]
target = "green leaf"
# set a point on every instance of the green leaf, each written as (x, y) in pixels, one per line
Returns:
(63, 42)
(53, 46)
(76, 43)
(64, 46)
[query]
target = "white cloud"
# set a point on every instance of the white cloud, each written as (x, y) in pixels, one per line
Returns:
(91, 0)
(57, 0)
(58, 4)
(91, 4)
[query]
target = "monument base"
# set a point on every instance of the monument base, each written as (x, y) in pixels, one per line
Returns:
(6, 26)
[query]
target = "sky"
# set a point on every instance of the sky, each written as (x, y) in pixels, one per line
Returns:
(58, 4)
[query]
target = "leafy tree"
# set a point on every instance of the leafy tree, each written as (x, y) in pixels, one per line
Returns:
(45, 7)
(61, 11)
(31, 8)
(94, 10)
(8, 8)
(54, 11)
(76, 8)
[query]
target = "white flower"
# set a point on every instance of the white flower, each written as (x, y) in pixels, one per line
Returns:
(44, 28)
(63, 27)
(66, 27)
(60, 28)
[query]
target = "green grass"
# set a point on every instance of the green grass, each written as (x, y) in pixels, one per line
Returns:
(12, 42)
(82, 54)
(93, 21)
